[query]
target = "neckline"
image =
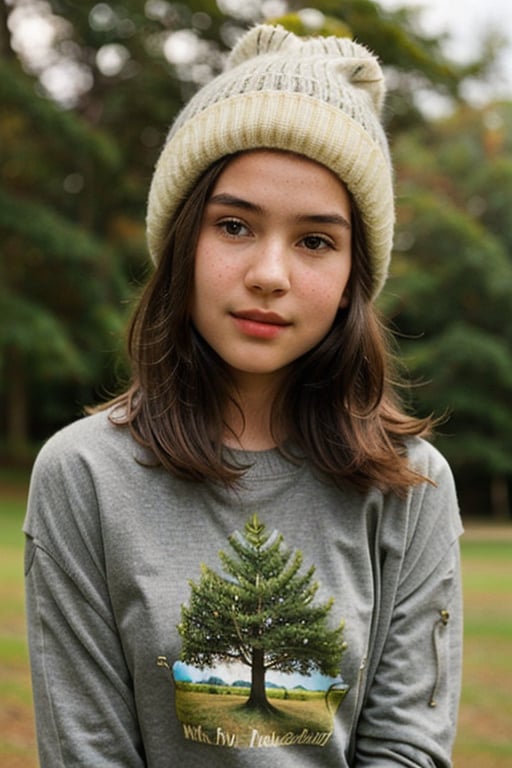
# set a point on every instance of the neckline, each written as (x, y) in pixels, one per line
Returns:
(269, 461)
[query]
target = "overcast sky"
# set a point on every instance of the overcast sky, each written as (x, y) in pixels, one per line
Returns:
(466, 21)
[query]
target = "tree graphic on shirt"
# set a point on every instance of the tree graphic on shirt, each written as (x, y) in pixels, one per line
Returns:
(260, 613)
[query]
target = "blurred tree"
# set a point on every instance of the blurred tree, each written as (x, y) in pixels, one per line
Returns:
(85, 113)
(58, 279)
(452, 287)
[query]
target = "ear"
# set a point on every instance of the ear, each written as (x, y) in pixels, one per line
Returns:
(345, 299)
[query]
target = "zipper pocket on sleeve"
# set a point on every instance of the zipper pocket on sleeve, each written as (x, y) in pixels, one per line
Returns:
(438, 634)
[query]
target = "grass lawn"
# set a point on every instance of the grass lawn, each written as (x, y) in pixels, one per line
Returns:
(485, 734)
(17, 741)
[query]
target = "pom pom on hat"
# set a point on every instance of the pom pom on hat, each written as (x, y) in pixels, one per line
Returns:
(320, 97)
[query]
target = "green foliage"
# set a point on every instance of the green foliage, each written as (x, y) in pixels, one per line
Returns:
(452, 281)
(74, 184)
(280, 694)
(61, 128)
(62, 283)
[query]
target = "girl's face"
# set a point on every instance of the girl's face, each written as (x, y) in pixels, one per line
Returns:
(272, 263)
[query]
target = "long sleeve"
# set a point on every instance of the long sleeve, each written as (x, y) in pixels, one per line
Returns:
(85, 712)
(410, 713)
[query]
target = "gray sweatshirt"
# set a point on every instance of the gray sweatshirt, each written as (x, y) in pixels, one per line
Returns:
(284, 623)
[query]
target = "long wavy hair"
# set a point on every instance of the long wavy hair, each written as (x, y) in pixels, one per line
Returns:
(338, 406)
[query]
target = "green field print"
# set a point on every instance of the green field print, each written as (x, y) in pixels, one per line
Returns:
(218, 716)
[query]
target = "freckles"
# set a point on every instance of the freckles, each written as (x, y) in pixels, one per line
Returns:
(323, 295)
(211, 269)
(221, 274)
(216, 279)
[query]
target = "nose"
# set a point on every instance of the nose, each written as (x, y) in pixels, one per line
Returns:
(269, 270)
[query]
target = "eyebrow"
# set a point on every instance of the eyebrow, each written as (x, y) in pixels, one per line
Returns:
(232, 201)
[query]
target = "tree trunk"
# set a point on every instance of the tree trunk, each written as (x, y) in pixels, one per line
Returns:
(6, 51)
(500, 502)
(258, 696)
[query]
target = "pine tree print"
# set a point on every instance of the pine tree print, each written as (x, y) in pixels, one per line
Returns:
(261, 613)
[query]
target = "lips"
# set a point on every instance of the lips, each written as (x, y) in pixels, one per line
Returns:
(260, 316)
(260, 324)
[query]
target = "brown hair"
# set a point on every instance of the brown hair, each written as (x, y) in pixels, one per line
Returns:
(338, 406)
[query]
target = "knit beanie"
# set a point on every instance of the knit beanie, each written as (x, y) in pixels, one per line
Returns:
(320, 97)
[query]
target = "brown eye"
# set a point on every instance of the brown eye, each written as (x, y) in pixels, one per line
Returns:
(233, 227)
(315, 242)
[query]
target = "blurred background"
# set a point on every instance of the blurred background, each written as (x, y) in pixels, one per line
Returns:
(87, 93)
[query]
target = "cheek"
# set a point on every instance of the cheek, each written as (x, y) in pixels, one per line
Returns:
(324, 296)
(211, 271)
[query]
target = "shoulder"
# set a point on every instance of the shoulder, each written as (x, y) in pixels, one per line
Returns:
(76, 467)
(428, 461)
(419, 531)
(432, 505)
(90, 436)
(82, 454)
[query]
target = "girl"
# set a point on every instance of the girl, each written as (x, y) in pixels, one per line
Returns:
(250, 558)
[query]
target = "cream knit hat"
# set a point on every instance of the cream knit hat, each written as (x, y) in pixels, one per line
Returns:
(320, 97)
